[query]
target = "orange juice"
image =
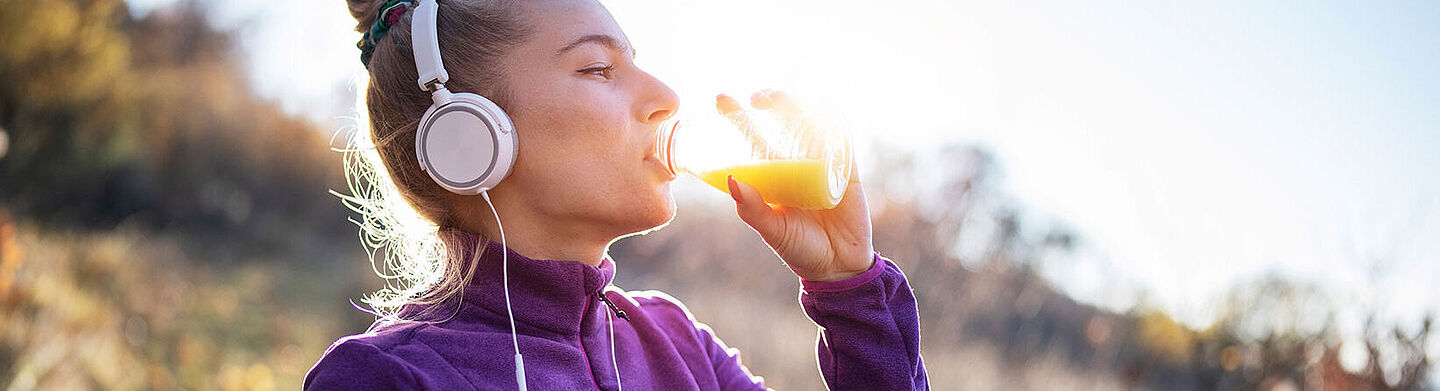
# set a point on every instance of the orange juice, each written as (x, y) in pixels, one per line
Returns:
(801, 183)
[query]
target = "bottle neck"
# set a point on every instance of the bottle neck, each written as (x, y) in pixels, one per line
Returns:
(665, 145)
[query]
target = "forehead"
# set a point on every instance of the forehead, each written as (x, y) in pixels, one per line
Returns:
(556, 23)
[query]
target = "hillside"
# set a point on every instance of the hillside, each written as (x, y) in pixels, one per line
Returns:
(163, 227)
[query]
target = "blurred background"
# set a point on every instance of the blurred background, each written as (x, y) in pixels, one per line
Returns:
(1114, 195)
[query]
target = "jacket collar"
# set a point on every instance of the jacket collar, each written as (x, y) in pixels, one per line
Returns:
(553, 295)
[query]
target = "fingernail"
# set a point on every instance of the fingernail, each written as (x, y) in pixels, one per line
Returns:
(734, 188)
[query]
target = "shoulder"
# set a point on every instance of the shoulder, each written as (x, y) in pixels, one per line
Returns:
(366, 361)
(670, 314)
(699, 338)
(659, 304)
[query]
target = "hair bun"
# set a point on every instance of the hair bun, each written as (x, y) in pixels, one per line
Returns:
(365, 12)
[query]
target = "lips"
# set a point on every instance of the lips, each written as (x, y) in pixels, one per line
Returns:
(660, 166)
(652, 156)
(653, 150)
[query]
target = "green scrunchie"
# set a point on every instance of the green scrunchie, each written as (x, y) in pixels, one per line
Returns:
(389, 14)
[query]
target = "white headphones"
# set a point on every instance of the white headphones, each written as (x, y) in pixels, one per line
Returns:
(465, 142)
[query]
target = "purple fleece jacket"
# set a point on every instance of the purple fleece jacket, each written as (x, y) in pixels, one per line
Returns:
(869, 337)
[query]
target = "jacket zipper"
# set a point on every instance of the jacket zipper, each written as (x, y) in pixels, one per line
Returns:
(618, 313)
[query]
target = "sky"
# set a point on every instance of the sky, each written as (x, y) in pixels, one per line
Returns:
(1193, 145)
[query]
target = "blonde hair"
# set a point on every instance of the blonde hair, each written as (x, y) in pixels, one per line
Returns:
(405, 223)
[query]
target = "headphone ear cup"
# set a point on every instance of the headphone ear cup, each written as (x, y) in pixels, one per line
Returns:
(466, 143)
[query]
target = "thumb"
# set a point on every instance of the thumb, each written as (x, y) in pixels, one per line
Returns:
(751, 207)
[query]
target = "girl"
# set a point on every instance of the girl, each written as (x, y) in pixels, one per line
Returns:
(585, 174)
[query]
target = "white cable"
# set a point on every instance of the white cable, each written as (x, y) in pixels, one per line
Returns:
(505, 278)
(613, 361)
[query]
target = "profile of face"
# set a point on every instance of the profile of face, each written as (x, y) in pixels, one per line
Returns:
(586, 118)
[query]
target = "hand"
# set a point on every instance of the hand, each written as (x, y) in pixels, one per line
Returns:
(818, 245)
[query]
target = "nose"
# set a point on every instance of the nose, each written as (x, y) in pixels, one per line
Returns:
(660, 102)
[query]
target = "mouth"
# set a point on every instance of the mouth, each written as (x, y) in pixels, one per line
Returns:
(654, 161)
(652, 156)
(651, 152)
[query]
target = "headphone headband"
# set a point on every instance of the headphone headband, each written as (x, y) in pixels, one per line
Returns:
(465, 142)
(426, 45)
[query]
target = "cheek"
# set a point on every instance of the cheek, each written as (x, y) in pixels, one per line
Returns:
(575, 150)
(584, 156)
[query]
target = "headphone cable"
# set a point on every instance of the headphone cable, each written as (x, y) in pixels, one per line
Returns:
(505, 276)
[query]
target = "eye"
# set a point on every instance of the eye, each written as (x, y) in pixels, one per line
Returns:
(602, 71)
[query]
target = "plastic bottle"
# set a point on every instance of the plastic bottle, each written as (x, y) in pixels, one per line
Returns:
(797, 163)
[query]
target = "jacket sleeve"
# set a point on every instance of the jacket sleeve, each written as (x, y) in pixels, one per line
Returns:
(869, 336)
(356, 365)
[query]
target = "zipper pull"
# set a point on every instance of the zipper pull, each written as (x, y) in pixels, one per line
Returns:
(618, 313)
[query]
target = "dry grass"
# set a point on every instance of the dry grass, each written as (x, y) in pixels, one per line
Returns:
(127, 311)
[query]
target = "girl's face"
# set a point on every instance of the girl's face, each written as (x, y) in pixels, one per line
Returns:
(586, 118)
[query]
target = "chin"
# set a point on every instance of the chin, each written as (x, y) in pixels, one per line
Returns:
(654, 211)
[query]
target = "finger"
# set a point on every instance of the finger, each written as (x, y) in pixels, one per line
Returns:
(789, 115)
(726, 104)
(751, 207)
(760, 100)
(797, 121)
(785, 104)
(731, 109)
(781, 102)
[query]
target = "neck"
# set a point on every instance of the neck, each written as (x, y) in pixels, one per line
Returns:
(534, 234)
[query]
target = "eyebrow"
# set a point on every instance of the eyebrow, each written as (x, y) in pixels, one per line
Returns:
(602, 39)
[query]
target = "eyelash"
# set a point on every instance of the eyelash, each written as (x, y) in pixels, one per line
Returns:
(605, 71)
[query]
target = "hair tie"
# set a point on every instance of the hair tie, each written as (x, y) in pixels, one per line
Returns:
(389, 15)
